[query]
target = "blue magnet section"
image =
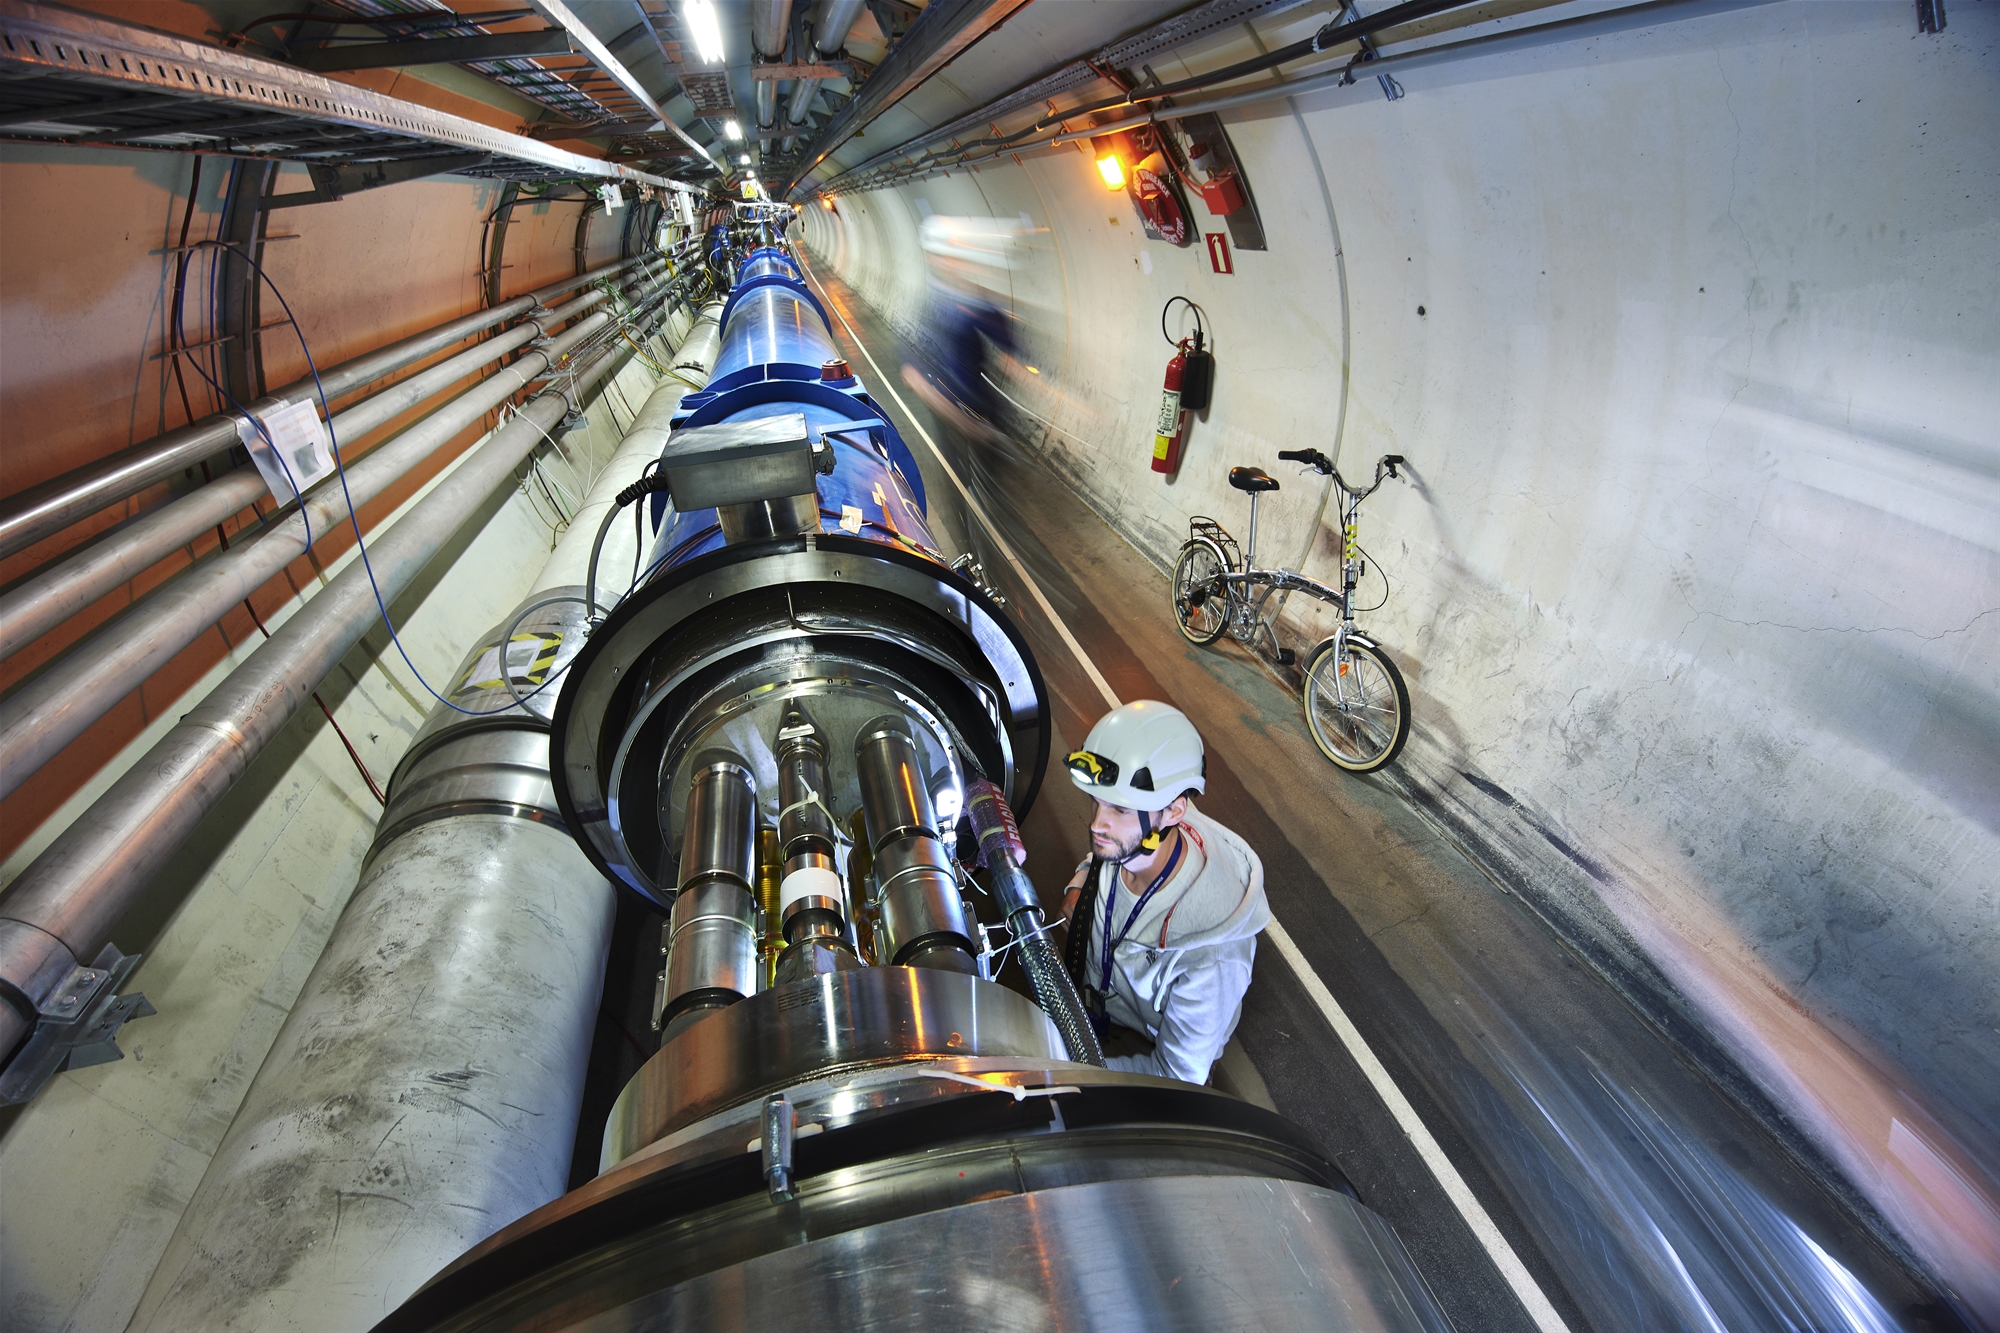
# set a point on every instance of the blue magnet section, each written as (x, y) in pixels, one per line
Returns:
(761, 289)
(866, 490)
(771, 330)
(775, 338)
(765, 259)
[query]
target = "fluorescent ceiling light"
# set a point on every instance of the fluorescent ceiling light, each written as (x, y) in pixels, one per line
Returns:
(732, 129)
(743, 160)
(705, 28)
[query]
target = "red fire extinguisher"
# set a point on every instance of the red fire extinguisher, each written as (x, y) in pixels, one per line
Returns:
(1167, 435)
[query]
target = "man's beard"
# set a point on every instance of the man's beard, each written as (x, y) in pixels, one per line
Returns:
(1127, 851)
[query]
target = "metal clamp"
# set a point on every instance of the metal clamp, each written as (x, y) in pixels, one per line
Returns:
(77, 1026)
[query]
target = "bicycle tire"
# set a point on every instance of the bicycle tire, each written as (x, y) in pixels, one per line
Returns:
(1366, 733)
(1201, 623)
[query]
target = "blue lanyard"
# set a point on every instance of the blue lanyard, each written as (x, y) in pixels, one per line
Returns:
(1111, 903)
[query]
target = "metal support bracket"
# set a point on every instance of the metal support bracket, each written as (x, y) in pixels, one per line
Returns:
(76, 1026)
(1390, 88)
(781, 1122)
(1930, 16)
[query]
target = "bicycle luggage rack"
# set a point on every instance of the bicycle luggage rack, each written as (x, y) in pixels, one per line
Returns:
(1202, 526)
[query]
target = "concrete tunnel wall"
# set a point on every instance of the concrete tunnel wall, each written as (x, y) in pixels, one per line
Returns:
(1696, 589)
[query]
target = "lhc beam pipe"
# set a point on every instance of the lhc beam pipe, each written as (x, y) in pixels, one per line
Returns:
(64, 906)
(56, 708)
(45, 601)
(55, 504)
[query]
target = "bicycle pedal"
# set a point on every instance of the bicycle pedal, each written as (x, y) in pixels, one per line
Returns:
(1286, 657)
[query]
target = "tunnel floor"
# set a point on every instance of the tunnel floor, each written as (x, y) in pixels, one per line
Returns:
(1553, 1162)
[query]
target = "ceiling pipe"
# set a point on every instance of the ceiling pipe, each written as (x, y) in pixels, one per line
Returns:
(63, 907)
(39, 719)
(830, 28)
(53, 505)
(944, 30)
(770, 25)
(829, 36)
(54, 595)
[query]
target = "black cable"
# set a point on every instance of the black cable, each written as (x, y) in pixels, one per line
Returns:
(648, 484)
(1200, 325)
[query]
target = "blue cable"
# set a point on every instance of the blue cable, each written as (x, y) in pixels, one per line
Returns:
(181, 337)
(360, 545)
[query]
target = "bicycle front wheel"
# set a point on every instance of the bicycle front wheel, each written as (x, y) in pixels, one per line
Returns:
(1356, 706)
(1201, 600)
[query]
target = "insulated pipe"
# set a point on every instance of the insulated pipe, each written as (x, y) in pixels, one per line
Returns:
(829, 36)
(1003, 851)
(37, 721)
(770, 25)
(49, 598)
(63, 907)
(835, 18)
(55, 504)
(767, 103)
(474, 909)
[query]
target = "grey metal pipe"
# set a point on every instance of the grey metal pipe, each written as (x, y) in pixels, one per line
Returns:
(472, 836)
(63, 907)
(53, 505)
(37, 721)
(41, 603)
(923, 919)
(770, 25)
(835, 18)
(1348, 71)
(767, 103)
(712, 954)
(801, 100)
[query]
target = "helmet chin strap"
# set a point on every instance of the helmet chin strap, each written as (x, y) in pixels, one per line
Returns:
(1150, 839)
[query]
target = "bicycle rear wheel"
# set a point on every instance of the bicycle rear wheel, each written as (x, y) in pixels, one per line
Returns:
(1357, 709)
(1201, 604)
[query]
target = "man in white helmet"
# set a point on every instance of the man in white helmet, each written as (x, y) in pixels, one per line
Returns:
(1163, 917)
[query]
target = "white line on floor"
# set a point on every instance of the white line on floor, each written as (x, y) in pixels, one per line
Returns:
(1512, 1270)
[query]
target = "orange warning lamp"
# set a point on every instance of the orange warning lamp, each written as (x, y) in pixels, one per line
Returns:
(1108, 166)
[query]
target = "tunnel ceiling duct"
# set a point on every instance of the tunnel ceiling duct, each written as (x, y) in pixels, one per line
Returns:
(77, 78)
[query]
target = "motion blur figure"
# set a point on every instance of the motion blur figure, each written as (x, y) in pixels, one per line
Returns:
(971, 342)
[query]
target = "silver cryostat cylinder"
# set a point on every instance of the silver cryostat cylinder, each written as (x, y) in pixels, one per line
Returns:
(924, 922)
(712, 952)
(811, 897)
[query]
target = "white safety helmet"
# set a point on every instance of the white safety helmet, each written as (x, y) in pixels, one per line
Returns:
(1142, 756)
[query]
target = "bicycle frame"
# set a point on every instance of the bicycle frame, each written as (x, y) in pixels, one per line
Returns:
(1248, 615)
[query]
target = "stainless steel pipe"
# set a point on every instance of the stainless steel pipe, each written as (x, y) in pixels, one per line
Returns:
(923, 921)
(53, 505)
(63, 907)
(37, 721)
(712, 949)
(53, 596)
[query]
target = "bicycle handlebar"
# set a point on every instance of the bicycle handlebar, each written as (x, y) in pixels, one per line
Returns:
(1319, 462)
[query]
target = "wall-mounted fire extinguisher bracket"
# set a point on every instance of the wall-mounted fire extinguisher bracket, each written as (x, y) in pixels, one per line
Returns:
(1199, 378)
(1190, 377)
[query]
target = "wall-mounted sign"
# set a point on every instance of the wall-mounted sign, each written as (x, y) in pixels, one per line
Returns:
(1218, 251)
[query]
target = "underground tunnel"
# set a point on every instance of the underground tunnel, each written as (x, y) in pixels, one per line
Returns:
(1033, 664)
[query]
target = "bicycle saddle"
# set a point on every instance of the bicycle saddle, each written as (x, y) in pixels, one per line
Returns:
(1251, 479)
